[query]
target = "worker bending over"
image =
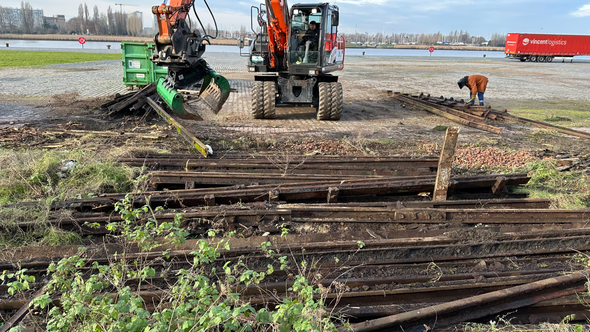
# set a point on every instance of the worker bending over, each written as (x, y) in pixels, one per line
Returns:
(477, 85)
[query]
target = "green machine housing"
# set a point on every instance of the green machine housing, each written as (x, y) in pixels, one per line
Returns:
(138, 69)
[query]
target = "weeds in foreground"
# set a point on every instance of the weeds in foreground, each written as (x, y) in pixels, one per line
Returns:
(504, 325)
(205, 296)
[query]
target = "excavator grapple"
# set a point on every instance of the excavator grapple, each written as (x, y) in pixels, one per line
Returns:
(180, 48)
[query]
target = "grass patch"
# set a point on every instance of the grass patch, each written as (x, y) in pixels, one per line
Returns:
(37, 232)
(568, 190)
(440, 128)
(387, 142)
(556, 118)
(48, 176)
(41, 58)
(53, 175)
(565, 117)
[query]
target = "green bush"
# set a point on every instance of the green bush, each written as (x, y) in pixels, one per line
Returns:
(198, 298)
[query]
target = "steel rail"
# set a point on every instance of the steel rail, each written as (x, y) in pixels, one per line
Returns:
(376, 252)
(464, 119)
(479, 306)
(295, 192)
(293, 214)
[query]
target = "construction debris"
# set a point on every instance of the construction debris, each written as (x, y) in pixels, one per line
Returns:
(474, 116)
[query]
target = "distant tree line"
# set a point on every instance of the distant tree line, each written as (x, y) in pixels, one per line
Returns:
(111, 23)
(28, 20)
(454, 37)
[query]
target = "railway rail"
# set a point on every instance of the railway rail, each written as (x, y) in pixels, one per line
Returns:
(365, 223)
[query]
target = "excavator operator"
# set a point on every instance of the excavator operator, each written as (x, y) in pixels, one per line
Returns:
(311, 40)
(312, 35)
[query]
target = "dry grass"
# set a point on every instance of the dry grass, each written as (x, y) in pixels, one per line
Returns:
(35, 174)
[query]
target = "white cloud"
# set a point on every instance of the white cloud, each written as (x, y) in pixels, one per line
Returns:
(582, 11)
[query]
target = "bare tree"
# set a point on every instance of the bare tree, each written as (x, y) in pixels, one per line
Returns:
(9, 19)
(2, 20)
(134, 25)
(86, 14)
(121, 23)
(111, 22)
(74, 25)
(26, 16)
(96, 21)
(498, 39)
(81, 18)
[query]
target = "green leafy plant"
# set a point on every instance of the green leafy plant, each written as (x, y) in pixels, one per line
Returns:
(200, 297)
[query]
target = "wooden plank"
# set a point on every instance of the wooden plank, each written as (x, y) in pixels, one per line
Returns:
(500, 184)
(443, 176)
(195, 142)
(333, 195)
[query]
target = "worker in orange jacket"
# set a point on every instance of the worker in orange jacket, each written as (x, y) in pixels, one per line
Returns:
(477, 85)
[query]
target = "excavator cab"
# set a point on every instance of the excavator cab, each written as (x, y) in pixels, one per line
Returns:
(313, 39)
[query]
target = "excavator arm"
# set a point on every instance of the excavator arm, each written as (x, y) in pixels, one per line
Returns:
(181, 49)
(279, 23)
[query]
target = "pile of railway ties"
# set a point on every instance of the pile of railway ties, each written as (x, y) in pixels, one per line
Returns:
(484, 250)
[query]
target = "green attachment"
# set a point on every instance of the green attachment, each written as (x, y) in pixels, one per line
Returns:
(172, 98)
(214, 91)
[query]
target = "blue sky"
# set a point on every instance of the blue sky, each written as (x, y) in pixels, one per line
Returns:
(478, 17)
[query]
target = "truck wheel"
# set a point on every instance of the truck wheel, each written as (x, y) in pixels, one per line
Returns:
(258, 100)
(336, 109)
(533, 58)
(270, 96)
(324, 107)
(522, 59)
(541, 59)
(549, 59)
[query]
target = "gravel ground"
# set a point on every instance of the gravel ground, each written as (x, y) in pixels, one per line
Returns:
(368, 112)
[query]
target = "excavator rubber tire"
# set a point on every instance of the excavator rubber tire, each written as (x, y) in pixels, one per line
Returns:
(269, 100)
(325, 104)
(258, 100)
(336, 107)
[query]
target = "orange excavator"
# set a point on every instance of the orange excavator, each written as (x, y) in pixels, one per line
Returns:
(180, 48)
(294, 53)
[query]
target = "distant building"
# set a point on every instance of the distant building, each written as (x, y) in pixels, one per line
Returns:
(58, 21)
(136, 14)
(11, 18)
(37, 18)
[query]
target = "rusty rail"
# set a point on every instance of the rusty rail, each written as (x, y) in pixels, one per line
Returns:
(290, 192)
(378, 166)
(432, 109)
(479, 306)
